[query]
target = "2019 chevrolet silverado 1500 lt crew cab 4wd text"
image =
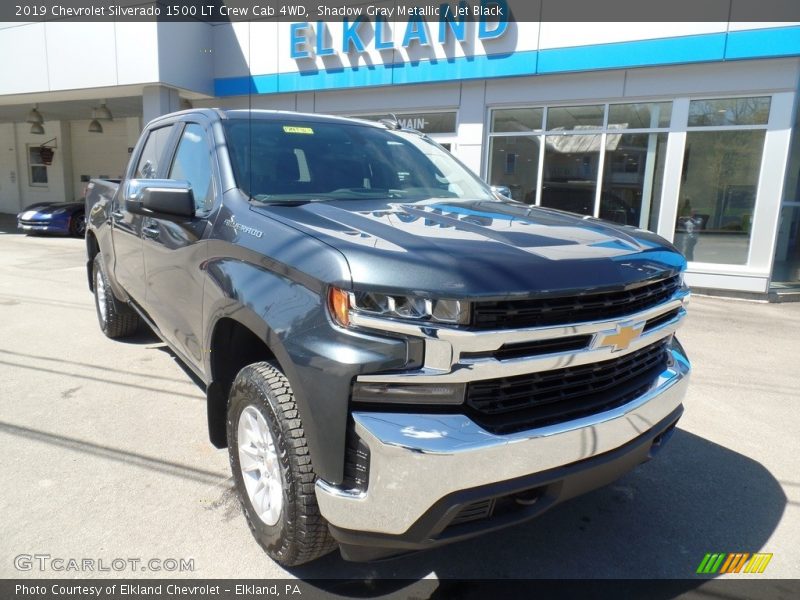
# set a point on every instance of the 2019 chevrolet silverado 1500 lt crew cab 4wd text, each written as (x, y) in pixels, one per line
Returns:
(395, 356)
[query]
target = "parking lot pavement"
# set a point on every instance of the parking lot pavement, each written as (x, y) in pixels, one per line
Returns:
(105, 454)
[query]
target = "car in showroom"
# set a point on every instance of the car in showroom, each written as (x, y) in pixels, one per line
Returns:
(66, 218)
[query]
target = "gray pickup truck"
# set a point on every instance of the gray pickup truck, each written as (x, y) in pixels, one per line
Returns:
(395, 356)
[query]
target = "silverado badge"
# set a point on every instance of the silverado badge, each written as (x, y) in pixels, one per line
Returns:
(231, 222)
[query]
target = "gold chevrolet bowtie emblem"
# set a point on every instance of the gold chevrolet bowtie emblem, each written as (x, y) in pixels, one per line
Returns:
(622, 337)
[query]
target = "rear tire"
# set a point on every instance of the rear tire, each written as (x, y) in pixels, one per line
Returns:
(77, 225)
(272, 467)
(116, 319)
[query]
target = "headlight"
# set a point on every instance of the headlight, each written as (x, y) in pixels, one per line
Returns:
(342, 303)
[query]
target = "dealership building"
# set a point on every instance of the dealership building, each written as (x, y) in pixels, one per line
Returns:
(691, 130)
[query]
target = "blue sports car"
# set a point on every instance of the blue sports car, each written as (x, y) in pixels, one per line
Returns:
(53, 217)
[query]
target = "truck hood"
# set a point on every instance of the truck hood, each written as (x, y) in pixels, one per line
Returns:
(488, 249)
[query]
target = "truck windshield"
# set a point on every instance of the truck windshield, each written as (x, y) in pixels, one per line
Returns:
(280, 161)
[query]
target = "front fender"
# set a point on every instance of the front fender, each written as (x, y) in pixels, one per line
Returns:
(98, 205)
(319, 358)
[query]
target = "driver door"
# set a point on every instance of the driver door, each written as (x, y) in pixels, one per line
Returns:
(126, 228)
(174, 247)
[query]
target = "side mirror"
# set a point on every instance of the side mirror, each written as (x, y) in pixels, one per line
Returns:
(502, 190)
(156, 197)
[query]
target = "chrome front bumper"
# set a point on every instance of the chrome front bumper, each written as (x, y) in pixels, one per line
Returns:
(417, 459)
(44, 226)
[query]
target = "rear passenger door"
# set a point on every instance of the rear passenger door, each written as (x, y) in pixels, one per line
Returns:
(174, 248)
(127, 226)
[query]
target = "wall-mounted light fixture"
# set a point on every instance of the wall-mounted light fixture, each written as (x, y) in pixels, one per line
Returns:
(37, 129)
(102, 113)
(34, 116)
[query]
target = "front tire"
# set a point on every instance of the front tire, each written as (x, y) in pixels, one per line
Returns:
(116, 319)
(272, 467)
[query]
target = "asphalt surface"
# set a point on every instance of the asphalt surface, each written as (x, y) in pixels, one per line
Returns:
(105, 454)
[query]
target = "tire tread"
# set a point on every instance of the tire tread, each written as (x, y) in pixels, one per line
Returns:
(121, 320)
(306, 536)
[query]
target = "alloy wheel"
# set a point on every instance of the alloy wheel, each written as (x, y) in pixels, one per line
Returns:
(260, 466)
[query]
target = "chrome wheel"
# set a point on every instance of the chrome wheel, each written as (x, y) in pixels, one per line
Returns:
(258, 460)
(100, 290)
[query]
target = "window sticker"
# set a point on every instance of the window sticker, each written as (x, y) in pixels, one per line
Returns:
(293, 129)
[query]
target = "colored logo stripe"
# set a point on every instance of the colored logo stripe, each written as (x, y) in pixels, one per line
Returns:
(733, 562)
(710, 563)
(758, 563)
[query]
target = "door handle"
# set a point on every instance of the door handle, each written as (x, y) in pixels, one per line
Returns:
(117, 215)
(150, 232)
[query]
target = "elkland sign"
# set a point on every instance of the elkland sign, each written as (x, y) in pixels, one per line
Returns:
(436, 24)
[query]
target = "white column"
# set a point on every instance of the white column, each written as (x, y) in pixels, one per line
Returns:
(673, 168)
(770, 182)
(470, 134)
(647, 181)
(159, 100)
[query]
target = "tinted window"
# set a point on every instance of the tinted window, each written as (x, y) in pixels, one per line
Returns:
(575, 117)
(147, 167)
(642, 115)
(275, 160)
(718, 195)
(193, 163)
(517, 119)
(729, 111)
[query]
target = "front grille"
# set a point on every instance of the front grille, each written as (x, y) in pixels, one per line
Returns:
(660, 320)
(515, 403)
(539, 312)
(536, 348)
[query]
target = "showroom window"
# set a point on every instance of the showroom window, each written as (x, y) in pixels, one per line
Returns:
(721, 167)
(572, 157)
(514, 148)
(599, 159)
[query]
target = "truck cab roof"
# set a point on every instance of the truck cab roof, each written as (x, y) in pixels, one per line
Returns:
(219, 114)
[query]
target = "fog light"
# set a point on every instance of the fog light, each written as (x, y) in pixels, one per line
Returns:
(409, 393)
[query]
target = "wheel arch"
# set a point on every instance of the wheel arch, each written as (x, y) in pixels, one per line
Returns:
(92, 250)
(284, 309)
(233, 344)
